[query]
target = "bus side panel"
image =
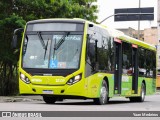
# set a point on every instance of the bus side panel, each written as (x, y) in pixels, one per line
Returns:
(126, 85)
(153, 85)
(150, 85)
(94, 84)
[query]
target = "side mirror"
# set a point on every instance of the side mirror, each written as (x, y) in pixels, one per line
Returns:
(90, 25)
(14, 40)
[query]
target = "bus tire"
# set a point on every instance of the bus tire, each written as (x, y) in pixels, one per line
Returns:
(49, 99)
(103, 99)
(141, 97)
(143, 93)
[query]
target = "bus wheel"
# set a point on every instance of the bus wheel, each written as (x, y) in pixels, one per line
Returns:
(103, 99)
(143, 93)
(141, 97)
(49, 99)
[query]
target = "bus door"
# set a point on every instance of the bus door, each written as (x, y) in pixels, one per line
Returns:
(118, 66)
(135, 68)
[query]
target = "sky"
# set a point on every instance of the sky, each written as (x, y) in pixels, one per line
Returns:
(106, 8)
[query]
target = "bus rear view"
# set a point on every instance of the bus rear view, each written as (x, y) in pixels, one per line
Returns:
(50, 59)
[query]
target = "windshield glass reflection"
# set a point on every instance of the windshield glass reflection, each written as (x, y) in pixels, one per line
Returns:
(65, 56)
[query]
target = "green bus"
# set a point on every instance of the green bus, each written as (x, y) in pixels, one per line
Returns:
(77, 59)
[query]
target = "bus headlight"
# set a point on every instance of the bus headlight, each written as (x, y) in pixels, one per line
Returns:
(24, 78)
(75, 79)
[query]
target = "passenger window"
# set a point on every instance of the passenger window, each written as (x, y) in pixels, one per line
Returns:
(127, 57)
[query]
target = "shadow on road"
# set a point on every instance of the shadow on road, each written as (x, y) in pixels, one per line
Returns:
(86, 102)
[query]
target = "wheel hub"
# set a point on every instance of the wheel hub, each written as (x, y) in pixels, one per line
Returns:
(103, 94)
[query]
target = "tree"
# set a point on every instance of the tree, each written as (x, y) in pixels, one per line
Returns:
(8, 57)
(38, 9)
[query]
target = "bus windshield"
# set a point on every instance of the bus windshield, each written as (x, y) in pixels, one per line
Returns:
(52, 50)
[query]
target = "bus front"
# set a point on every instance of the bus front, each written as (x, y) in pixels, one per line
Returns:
(50, 60)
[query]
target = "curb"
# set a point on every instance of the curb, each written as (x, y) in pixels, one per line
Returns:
(20, 99)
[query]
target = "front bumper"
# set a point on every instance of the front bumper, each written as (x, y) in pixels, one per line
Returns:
(76, 89)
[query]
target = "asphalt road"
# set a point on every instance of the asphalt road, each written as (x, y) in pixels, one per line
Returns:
(151, 103)
(32, 103)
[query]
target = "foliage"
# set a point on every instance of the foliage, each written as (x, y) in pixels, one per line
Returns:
(15, 13)
(8, 56)
(38, 9)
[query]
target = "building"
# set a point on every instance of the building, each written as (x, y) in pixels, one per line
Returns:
(151, 35)
(130, 32)
(158, 26)
(148, 35)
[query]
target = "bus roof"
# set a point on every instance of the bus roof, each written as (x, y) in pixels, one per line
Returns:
(57, 20)
(120, 35)
(113, 32)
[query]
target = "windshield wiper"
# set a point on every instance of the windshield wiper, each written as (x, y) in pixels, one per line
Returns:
(54, 48)
(61, 41)
(41, 40)
(46, 49)
(43, 43)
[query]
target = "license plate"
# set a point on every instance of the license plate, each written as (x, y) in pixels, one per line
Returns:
(47, 91)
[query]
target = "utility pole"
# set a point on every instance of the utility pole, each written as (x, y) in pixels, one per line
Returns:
(139, 21)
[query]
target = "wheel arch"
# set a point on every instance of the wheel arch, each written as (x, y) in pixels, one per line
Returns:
(107, 81)
(144, 82)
